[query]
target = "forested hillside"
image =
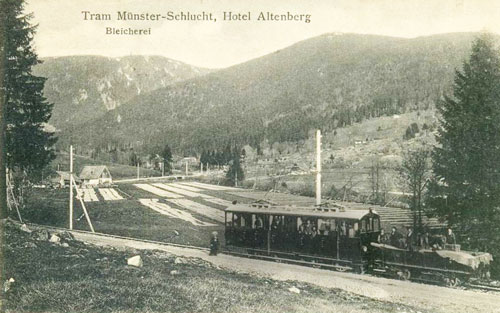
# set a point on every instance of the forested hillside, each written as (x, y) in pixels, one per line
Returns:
(328, 81)
(83, 88)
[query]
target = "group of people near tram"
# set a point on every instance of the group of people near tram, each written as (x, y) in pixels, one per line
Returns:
(413, 241)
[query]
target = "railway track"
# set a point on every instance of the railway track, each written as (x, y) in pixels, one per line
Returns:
(103, 235)
(470, 286)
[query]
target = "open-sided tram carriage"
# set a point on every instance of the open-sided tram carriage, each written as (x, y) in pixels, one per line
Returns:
(329, 237)
(333, 237)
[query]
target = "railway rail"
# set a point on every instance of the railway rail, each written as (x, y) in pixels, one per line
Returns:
(483, 286)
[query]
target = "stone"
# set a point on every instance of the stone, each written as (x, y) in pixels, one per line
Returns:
(135, 261)
(8, 284)
(65, 245)
(294, 290)
(54, 238)
(66, 236)
(42, 235)
(25, 229)
(179, 261)
(174, 272)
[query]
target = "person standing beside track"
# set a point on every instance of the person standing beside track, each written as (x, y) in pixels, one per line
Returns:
(214, 244)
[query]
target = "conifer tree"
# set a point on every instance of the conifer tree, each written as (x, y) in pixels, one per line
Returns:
(28, 146)
(466, 162)
(234, 173)
(166, 155)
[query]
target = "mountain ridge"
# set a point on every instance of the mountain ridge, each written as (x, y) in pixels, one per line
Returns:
(84, 87)
(326, 82)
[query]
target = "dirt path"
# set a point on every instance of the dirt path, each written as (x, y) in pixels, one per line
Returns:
(434, 298)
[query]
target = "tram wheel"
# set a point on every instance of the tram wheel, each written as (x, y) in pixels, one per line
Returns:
(339, 268)
(404, 274)
(452, 282)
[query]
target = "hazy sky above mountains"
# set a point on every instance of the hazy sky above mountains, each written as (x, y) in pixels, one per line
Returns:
(63, 31)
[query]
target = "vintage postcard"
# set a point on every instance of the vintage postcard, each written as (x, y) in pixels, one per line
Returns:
(250, 155)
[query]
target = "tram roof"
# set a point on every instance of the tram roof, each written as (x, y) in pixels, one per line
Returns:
(352, 214)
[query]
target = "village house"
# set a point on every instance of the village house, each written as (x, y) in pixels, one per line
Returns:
(96, 175)
(61, 179)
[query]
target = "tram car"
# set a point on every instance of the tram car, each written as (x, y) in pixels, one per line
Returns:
(323, 236)
(330, 236)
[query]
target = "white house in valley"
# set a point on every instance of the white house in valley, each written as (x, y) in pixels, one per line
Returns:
(96, 175)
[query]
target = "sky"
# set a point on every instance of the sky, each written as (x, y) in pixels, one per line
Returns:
(62, 29)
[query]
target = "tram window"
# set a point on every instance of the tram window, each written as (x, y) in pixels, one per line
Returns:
(333, 224)
(242, 220)
(290, 223)
(300, 224)
(376, 224)
(363, 226)
(246, 221)
(352, 230)
(342, 228)
(229, 219)
(324, 226)
(258, 222)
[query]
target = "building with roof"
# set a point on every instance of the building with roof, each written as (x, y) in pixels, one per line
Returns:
(61, 179)
(96, 175)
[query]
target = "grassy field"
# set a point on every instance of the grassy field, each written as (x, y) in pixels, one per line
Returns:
(124, 217)
(83, 278)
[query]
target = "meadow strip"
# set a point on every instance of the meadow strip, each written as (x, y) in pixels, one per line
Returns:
(115, 194)
(157, 191)
(180, 191)
(165, 209)
(89, 195)
(109, 194)
(186, 187)
(199, 208)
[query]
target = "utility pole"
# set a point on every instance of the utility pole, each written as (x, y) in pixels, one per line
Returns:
(71, 187)
(3, 145)
(318, 167)
(162, 169)
(138, 171)
(186, 168)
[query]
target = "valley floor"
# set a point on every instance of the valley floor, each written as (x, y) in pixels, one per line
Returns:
(72, 276)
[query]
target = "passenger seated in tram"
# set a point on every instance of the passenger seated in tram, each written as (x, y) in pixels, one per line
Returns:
(424, 241)
(314, 240)
(395, 238)
(450, 237)
(308, 228)
(301, 234)
(258, 223)
(382, 237)
(411, 239)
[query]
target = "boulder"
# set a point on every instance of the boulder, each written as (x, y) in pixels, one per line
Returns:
(174, 272)
(8, 284)
(294, 290)
(179, 261)
(135, 261)
(66, 236)
(25, 229)
(54, 238)
(41, 235)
